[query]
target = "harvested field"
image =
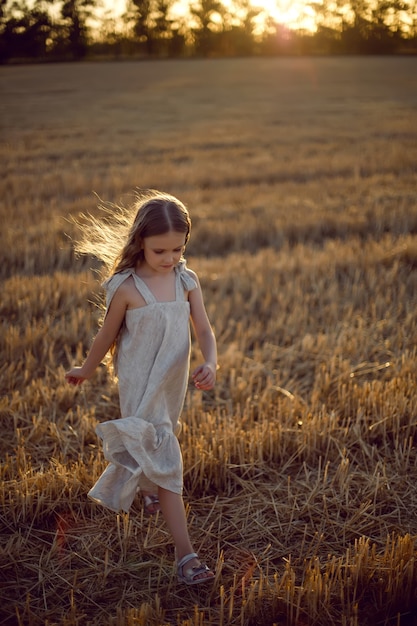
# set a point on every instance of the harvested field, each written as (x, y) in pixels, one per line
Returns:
(301, 466)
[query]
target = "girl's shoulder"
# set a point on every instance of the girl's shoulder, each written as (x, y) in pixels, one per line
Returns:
(117, 278)
(115, 282)
(125, 286)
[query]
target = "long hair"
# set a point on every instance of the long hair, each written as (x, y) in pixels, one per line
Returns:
(116, 238)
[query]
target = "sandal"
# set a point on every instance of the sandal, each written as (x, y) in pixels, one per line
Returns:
(151, 503)
(189, 576)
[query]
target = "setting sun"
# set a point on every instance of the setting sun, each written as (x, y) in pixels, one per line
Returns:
(296, 14)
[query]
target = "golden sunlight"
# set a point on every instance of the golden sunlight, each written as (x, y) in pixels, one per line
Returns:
(293, 14)
(297, 14)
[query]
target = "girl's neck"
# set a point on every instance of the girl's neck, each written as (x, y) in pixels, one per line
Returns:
(162, 285)
(148, 273)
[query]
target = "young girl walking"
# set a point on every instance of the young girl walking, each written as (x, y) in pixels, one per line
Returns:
(150, 297)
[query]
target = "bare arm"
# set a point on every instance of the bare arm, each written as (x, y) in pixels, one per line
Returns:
(103, 340)
(204, 375)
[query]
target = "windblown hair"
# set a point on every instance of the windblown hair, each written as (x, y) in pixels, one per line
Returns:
(116, 239)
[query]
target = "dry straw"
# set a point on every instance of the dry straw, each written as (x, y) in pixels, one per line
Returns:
(300, 468)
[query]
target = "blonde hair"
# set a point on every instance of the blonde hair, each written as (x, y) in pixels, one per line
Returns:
(116, 238)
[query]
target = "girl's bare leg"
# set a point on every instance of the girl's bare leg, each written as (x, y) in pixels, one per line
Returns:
(172, 507)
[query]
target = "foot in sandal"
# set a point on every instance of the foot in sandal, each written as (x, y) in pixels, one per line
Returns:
(151, 503)
(196, 572)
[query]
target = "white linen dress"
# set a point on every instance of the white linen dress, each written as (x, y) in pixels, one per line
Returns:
(152, 367)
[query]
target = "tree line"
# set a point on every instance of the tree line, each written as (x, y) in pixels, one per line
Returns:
(51, 30)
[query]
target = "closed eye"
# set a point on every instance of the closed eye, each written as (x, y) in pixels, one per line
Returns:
(162, 251)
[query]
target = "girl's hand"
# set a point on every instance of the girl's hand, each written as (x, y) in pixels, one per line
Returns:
(74, 376)
(204, 376)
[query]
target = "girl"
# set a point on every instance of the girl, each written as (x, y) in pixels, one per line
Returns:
(150, 297)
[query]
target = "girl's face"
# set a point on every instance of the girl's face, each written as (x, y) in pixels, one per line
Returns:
(162, 252)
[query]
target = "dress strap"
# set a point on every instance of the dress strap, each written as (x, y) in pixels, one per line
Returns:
(183, 281)
(143, 289)
(112, 284)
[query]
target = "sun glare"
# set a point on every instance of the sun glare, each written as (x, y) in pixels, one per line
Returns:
(293, 14)
(296, 14)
